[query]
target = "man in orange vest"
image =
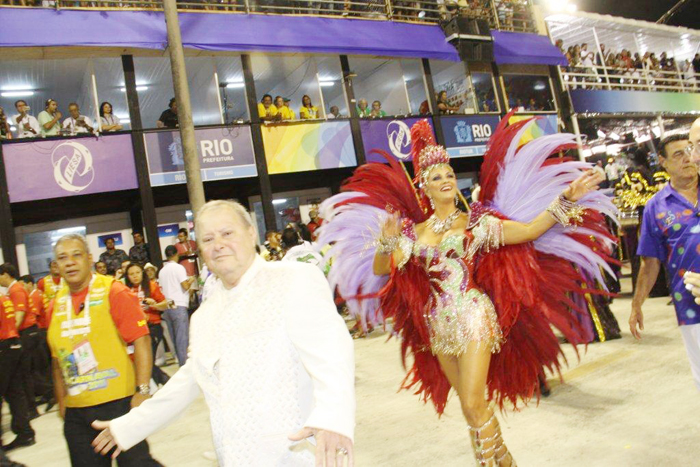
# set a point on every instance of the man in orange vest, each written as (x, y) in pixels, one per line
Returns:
(93, 319)
(41, 362)
(11, 355)
(49, 285)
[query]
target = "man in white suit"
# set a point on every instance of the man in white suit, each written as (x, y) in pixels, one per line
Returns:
(269, 352)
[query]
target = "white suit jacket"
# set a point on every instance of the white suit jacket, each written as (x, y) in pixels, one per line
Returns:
(271, 356)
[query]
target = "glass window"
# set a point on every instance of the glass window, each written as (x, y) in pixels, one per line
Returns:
(529, 93)
(35, 81)
(380, 83)
(290, 77)
(485, 92)
(39, 247)
(229, 72)
(286, 211)
(154, 82)
(454, 91)
(109, 77)
(415, 86)
(330, 80)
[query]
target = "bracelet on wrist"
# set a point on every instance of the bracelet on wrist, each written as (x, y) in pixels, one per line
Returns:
(566, 212)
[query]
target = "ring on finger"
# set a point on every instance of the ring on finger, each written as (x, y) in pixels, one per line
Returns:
(342, 451)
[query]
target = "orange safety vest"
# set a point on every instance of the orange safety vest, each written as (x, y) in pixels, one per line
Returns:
(114, 376)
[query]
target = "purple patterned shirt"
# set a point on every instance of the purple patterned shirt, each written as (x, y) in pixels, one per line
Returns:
(670, 233)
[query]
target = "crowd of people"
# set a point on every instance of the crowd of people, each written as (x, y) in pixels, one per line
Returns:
(510, 14)
(629, 71)
(50, 121)
(279, 110)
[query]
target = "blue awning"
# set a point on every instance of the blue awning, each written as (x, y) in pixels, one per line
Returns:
(526, 49)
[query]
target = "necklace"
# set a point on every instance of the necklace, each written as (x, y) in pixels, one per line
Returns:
(441, 226)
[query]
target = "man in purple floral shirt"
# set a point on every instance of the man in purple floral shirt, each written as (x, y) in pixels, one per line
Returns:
(670, 229)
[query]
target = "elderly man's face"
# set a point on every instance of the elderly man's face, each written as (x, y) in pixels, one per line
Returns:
(226, 243)
(695, 141)
(73, 262)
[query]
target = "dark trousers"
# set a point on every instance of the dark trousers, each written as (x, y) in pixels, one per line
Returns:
(79, 434)
(41, 368)
(11, 388)
(156, 331)
(30, 342)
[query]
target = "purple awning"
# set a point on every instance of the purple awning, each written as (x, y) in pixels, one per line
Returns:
(523, 48)
(223, 32)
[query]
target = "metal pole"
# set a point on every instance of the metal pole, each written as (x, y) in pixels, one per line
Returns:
(8, 240)
(258, 145)
(138, 143)
(602, 57)
(195, 188)
(355, 127)
(432, 101)
(579, 141)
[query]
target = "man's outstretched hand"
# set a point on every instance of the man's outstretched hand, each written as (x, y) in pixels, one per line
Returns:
(331, 448)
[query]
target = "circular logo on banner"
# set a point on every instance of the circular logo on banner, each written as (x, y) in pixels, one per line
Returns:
(72, 166)
(399, 138)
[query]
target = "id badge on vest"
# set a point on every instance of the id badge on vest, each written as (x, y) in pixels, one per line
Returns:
(85, 360)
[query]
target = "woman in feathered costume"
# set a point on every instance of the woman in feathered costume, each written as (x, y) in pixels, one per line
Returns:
(472, 294)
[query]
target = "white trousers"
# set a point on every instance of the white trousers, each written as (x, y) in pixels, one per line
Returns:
(691, 337)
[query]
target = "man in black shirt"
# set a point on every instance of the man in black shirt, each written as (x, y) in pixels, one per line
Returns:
(168, 119)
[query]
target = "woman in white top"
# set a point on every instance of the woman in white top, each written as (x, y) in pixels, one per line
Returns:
(110, 122)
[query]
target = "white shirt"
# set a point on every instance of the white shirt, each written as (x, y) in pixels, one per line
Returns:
(304, 253)
(612, 171)
(72, 124)
(170, 278)
(271, 356)
(33, 123)
(110, 119)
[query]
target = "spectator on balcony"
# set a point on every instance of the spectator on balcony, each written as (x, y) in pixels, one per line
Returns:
(168, 119)
(444, 106)
(27, 125)
(49, 119)
(5, 131)
(377, 110)
(283, 110)
(77, 123)
(363, 110)
(290, 111)
(334, 112)
(267, 111)
(601, 57)
(110, 122)
(308, 111)
(696, 66)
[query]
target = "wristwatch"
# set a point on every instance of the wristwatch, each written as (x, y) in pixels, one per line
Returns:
(144, 389)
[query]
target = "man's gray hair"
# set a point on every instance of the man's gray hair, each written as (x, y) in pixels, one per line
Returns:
(70, 237)
(234, 206)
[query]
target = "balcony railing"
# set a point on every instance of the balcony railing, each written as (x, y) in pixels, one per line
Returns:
(509, 15)
(628, 79)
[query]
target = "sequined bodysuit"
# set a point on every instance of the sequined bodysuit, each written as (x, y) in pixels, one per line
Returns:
(458, 312)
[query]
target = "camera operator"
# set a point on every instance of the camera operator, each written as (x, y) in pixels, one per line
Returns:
(27, 125)
(77, 123)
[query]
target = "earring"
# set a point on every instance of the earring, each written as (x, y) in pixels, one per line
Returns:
(456, 200)
(432, 205)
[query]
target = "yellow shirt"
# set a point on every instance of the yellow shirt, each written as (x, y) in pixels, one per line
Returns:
(112, 375)
(269, 112)
(305, 112)
(287, 113)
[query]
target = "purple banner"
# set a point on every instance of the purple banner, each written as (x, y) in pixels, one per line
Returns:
(69, 167)
(391, 136)
(224, 153)
(525, 48)
(221, 32)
